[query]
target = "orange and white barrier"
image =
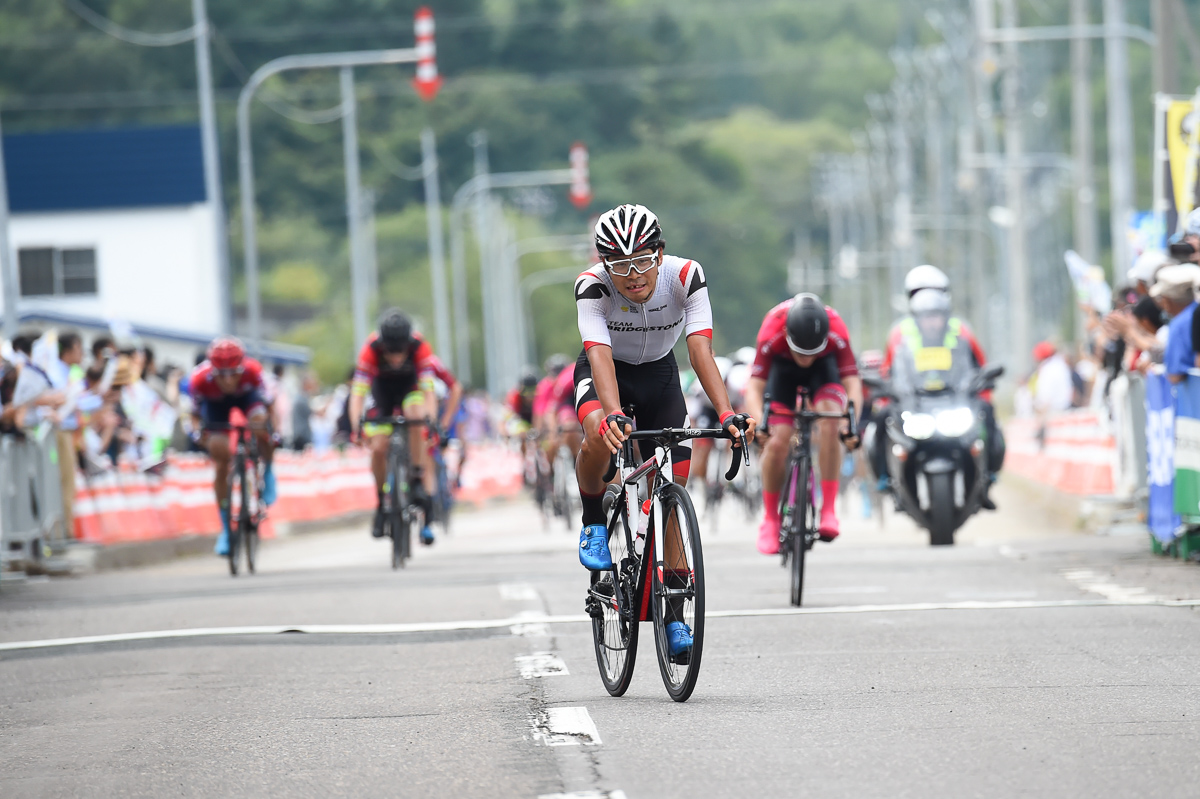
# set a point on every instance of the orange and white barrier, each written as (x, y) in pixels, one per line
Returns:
(127, 505)
(1077, 453)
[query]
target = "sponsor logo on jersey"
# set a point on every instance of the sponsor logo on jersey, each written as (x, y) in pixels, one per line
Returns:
(630, 327)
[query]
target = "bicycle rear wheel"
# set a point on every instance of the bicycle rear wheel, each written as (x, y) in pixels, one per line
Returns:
(613, 603)
(677, 591)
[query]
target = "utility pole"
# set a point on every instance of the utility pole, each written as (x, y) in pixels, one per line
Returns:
(1165, 54)
(437, 252)
(483, 235)
(1120, 134)
(370, 251)
(8, 276)
(1014, 181)
(1086, 241)
(212, 164)
(354, 216)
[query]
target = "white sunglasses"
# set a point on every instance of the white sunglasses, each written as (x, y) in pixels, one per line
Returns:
(641, 265)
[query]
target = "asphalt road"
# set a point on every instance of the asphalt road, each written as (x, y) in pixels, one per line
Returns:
(864, 698)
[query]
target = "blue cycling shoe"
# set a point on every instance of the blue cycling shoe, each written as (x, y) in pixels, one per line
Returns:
(427, 535)
(222, 547)
(593, 547)
(883, 485)
(679, 638)
(268, 494)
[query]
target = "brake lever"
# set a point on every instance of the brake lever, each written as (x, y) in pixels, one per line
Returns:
(735, 462)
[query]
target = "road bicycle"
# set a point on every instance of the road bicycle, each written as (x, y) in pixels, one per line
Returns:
(402, 512)
(246, 507)
(649, 514)
(799, 525)
(565, 499)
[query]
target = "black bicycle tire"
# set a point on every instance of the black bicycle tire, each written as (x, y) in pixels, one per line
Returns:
(619, 684)
(249, 533)
(395, 512)
(680, 690)
(799, 537)
(235, 540)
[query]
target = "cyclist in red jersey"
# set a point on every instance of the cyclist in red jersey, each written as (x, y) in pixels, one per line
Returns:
(396, 367)
(228, 379)
(802, 344)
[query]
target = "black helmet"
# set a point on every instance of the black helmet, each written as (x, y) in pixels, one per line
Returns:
(395, 330)
(529, 378)
(807, 325)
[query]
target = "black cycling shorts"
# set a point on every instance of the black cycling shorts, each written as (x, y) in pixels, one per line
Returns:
(649, 392)
(822, 381)
(216, 411)
(388, 395)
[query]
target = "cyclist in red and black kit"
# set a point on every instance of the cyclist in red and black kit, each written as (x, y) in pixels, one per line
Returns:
(228, 379)
(396, 368)
(802, 344)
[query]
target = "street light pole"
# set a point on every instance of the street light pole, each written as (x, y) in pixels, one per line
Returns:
(437, 252)
(466, 193)
(526, 348)
(211, 153)
(1120, 134)
(1014, 175)
(246, 158)
(1081, 137)
(8, 276)
(358, 269)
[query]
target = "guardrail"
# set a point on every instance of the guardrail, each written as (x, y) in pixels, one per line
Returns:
(31, 508)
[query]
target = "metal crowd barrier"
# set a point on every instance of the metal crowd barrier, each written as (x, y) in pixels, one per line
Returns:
(31, 505)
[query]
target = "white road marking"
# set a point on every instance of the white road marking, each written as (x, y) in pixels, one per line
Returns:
(541, 664)
(565, 726)
(1090, 581)
(585, 795)
(533, 625)
(518, 592)
(851, 589)
(525, 621)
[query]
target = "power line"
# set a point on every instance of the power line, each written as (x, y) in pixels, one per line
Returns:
(125, 34)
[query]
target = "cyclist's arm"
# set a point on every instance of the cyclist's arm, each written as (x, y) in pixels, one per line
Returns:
(356, 401)
(452, 400)
(755, 387)
(604, 377)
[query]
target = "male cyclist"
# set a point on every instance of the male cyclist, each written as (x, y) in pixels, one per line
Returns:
(632, 308)
(802, 344)
(225, 380)
(934, 287)
(396, 368)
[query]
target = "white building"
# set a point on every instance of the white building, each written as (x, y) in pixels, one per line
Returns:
(114, 225)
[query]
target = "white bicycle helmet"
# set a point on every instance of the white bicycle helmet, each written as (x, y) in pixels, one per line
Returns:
(626, 229)
(925, 276)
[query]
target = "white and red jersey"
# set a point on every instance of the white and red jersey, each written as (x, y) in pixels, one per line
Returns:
(203, 384)
(644, 332)
(772, 342)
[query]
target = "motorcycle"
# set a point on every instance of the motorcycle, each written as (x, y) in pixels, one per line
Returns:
(935, 445)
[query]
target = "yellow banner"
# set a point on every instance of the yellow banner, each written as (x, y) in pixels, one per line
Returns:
(1183, 144)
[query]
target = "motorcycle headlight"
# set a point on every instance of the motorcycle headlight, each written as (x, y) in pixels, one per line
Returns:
(919, 426)
(955, 422)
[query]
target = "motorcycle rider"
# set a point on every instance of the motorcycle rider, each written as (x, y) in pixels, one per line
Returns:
(928, 291)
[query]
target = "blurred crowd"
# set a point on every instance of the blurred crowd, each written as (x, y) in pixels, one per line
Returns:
(1148, 324)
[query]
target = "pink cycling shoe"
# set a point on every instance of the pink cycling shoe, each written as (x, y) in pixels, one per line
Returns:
(829, 523)
(768, 536)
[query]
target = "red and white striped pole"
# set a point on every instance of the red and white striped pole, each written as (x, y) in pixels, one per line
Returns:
(428, 81)
(581, 184)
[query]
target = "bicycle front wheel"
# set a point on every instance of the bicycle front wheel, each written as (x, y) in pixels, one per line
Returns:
(677, 592)
(613, 603)
(396, 517)
(237, 499)
(249, 516)
(798, 534)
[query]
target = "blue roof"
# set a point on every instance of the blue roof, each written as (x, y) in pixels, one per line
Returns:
(105, 168)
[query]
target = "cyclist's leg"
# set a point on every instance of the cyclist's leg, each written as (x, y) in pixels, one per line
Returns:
(217, 445)
(829, 398)
(258, 416)
(420, 404)
(590, 466)
(785, 377)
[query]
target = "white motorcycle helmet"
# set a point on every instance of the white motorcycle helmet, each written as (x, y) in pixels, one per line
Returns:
(925, 276)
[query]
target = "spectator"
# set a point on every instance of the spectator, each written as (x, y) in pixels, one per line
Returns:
(34, 394)
(63, 377)
(8, 382)
(1141, 276)
(1054, 386)
(302, 411)
(1173, 289)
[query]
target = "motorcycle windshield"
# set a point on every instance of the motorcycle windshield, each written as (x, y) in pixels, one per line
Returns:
(933, 360)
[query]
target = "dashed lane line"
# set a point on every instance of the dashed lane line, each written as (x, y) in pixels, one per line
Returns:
(541, 664)
(564, 726)
(585, 795)
(519, 622)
